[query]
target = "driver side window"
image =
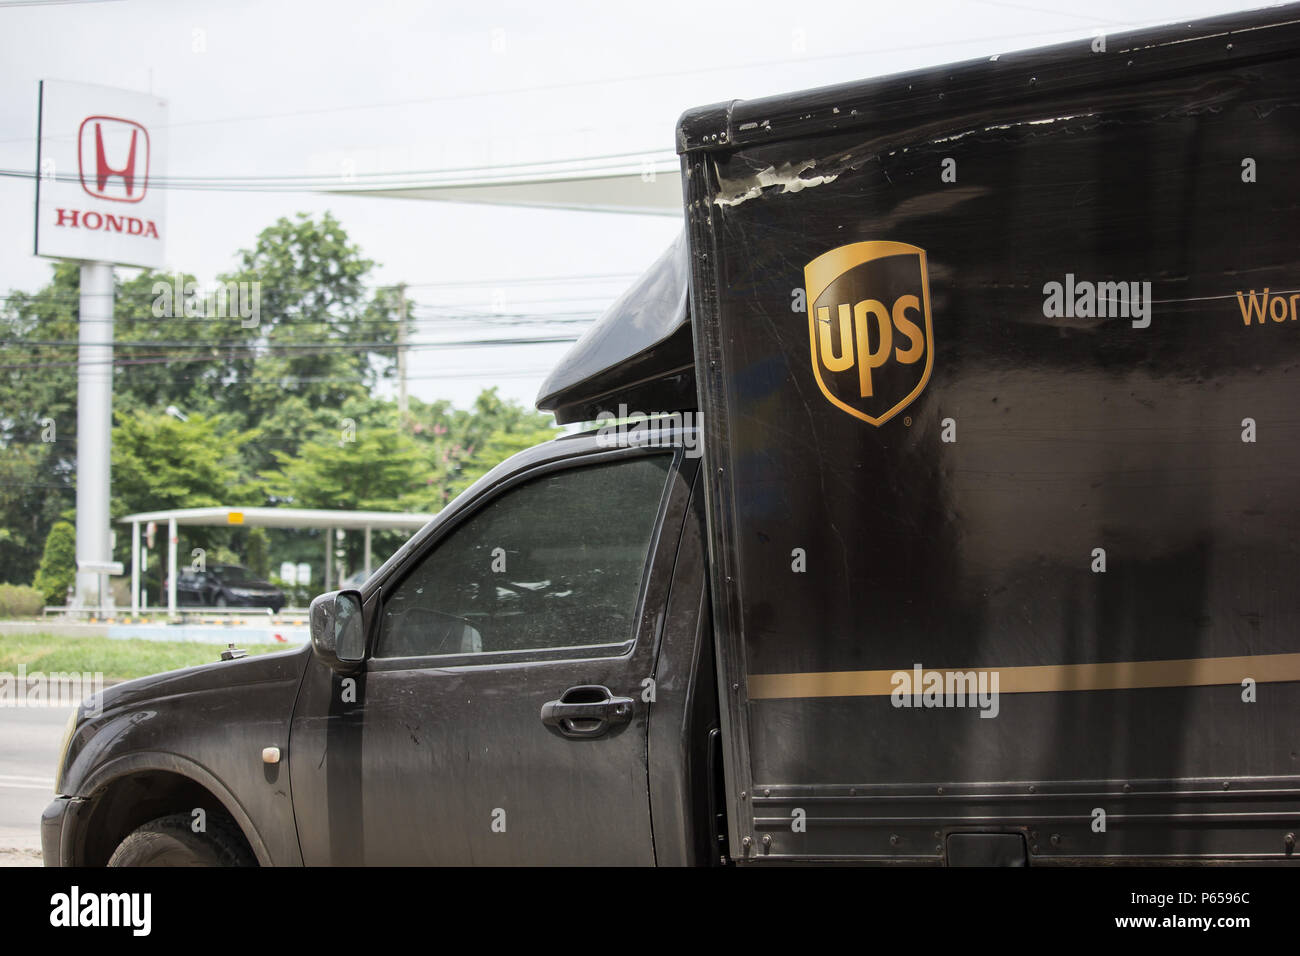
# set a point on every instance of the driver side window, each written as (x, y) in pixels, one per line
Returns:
(554, 562)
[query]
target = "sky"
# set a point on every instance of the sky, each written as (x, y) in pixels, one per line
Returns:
(293, 89)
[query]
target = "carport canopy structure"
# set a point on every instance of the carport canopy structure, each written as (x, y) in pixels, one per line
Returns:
(297, 518)
(647, 185)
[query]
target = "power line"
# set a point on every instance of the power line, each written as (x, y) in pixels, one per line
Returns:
(627, 78)
(448, 315)
(287, 380)
(315, 350)
(520, 280)
(48, 3)
(358, 310)
(265, 346)
(659, 153)
(588, 278)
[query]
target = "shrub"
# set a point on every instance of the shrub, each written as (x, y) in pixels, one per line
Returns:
(19, 600)
(58, 568)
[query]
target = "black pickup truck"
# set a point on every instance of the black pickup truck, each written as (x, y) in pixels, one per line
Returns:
(990, 556)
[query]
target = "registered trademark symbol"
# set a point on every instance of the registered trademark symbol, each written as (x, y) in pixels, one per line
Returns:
(907, 420)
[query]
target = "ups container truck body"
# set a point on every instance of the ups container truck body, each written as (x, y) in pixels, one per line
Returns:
(997, 366)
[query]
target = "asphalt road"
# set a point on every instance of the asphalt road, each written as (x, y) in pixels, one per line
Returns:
(29, 746)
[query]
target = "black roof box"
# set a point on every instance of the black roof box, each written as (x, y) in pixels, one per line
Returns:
(638, 354)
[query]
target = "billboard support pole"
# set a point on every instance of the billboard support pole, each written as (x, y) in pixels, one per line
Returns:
(94, 429)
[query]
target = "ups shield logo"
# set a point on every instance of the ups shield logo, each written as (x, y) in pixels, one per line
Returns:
(869, 329)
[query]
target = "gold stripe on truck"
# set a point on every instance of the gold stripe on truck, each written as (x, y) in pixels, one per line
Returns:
(1046, 678)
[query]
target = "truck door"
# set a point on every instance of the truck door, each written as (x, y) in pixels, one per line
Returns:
(499, 718)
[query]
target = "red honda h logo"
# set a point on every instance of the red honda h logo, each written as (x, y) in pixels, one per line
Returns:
(124, 177)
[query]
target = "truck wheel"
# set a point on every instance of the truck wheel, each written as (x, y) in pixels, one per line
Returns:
(169, 841)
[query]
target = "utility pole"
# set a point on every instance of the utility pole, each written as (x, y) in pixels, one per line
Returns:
(403, 405)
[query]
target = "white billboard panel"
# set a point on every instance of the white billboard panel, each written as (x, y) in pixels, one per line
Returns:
(99, 165)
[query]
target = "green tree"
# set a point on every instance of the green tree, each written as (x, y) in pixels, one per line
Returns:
(269, 403)
(377, 467)
(321, 342)
(38, 418)
(35, 491)
(256, 556)
(168, 355)
(162, 355)
(160, 463)
(171, 346)
(58, 570)
(38, 354)
(464, 444)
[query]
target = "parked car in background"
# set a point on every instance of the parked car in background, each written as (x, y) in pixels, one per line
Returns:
(353, 581)
(226, 585)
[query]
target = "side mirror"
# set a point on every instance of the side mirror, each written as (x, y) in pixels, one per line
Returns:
(337, 635)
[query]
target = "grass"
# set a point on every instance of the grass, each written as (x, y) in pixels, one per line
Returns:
(115, 659)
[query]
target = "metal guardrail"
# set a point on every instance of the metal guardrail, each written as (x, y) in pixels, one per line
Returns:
(189, 614)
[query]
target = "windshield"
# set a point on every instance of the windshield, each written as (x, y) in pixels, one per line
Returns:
(236, 576)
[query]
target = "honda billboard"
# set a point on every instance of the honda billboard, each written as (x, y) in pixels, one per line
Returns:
(99, 166)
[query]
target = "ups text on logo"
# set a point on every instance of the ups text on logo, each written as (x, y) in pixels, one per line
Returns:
(869, 330)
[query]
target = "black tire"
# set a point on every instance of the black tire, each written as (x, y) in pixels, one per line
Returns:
(170, 841)
(221, 601)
